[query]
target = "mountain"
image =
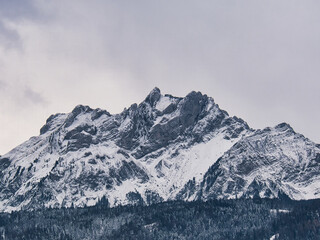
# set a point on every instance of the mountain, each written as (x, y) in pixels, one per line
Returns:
(165, 148)
(270, 163)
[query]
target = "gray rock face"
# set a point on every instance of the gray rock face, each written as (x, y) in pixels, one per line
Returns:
(153, 97)
(266, 163)
(164, 148)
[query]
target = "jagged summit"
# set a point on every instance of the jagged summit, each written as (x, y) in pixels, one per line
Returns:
(163, 148)
(155, 90)
(283, 127)
(154, 96)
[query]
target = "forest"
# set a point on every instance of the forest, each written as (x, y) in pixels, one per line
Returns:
(216, 219)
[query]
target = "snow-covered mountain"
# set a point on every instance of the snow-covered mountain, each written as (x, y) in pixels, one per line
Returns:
(164, 148)
(269, 163)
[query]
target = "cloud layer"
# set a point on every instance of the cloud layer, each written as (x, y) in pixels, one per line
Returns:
(259, 59)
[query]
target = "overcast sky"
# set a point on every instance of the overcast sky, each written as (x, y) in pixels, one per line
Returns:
(259, 60)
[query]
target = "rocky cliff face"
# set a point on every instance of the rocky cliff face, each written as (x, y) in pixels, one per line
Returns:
(269, 163)
(158, 150)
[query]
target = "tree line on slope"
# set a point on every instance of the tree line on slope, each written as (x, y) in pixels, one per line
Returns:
(216, 219)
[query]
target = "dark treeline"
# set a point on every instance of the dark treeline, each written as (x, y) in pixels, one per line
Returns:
(218, 219)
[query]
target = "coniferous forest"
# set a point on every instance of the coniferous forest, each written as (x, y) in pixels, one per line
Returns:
(217, 219)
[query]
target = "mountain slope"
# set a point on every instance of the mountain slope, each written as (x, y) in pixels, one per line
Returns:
(165, 148)
(268, 163)
(146, 154)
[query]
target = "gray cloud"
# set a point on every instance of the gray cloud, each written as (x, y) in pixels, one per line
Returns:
(19, 9)
(33, 96)
(8, 38)
(258, 59)
(17, 96)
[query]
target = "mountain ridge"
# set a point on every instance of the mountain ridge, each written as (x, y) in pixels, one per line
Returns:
(164, 148)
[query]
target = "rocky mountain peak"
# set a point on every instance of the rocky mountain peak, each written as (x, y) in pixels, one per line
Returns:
(81, 109)
(164, 148)
(283, 127)
(153, 97)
